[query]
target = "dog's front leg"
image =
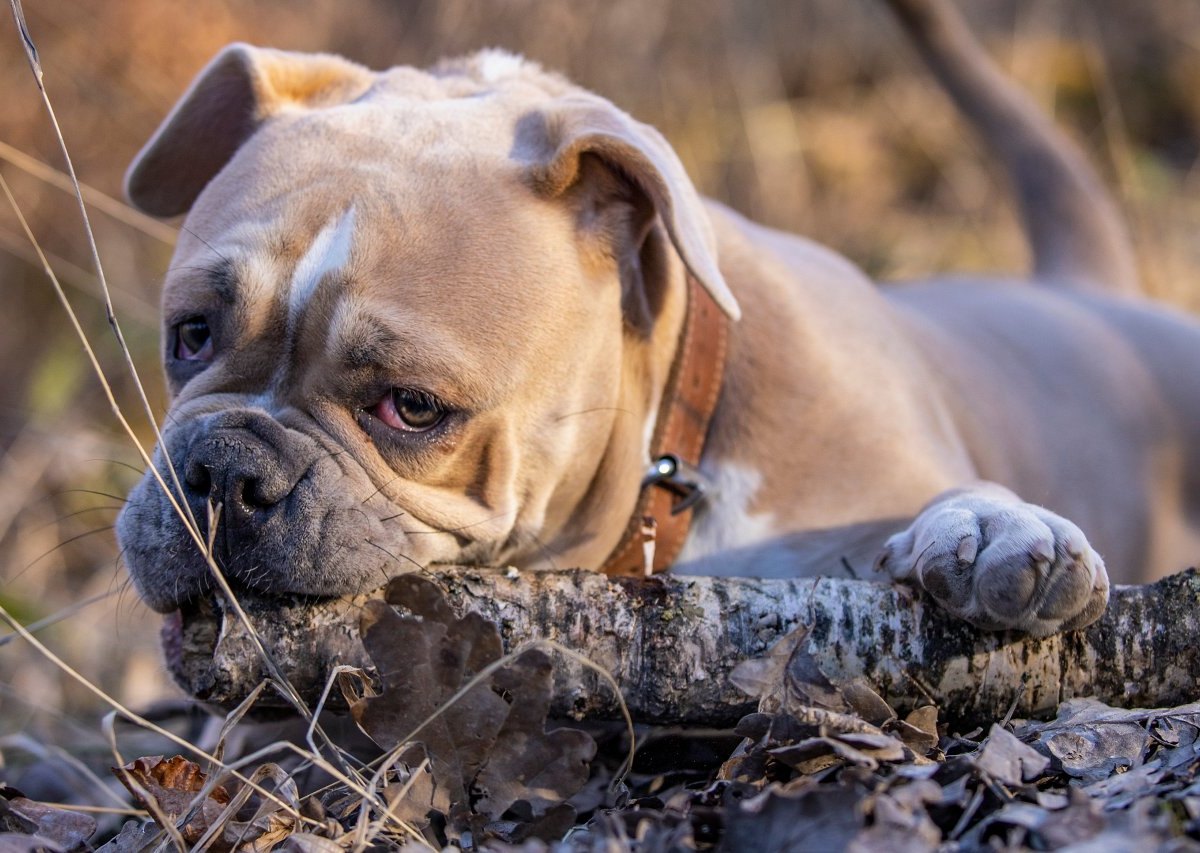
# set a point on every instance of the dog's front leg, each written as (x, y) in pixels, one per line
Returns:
(1000, 563)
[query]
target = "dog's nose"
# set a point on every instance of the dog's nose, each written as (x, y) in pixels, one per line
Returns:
(248, 464)
(234, 484)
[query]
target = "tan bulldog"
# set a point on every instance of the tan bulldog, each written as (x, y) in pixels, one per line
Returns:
(421, 317)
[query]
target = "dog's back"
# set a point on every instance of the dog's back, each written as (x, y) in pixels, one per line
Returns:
(1062, 385)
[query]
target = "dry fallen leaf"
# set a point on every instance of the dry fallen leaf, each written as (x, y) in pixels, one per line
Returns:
(1007, 760)
(488, 750)
(789, 676)
(134, 837)
(173, 784)
(1096, 777)
(919, 730)
(65, 829)
(303, 842)
(900, 822)
(809, 818)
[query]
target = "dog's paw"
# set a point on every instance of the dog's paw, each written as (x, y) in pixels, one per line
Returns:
(1000, 563)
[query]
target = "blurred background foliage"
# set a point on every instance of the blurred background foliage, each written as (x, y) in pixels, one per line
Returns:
(810, 115)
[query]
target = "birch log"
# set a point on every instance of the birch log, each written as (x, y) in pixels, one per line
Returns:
(671, 642)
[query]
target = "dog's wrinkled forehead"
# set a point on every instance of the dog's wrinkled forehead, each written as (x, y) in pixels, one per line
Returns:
(457, 122)
(410, 186)
(423, 185)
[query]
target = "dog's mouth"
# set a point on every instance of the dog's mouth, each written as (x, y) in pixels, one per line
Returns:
(197, 622)
(221, 656)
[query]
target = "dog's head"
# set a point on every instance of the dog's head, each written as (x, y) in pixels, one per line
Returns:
(413, 317)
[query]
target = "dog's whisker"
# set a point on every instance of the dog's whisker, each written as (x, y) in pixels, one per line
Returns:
(546, 552)
(96, 492)
(58, 616)
(61, 493)
(118, 462)
(123, 581)
(61, 518)
(135, 469)
(359, 510)
(384, 577)
(396, 557)
(212, 248)
(617, 409)
(60, 545)
(453, 530)
(380, 489)
(192, 267)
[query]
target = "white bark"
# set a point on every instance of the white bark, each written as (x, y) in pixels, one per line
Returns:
(672, 641)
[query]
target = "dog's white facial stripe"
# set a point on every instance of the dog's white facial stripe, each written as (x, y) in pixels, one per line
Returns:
(329, 252)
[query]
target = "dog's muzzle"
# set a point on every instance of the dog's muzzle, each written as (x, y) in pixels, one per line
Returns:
(284, 514)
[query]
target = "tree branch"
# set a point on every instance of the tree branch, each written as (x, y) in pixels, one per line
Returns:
(671, 642)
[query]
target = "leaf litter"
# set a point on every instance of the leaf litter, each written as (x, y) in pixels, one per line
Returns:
(483, 738)
(471, 761)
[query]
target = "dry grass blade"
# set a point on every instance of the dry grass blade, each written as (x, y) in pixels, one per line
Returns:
(31, 51)
(366, 830)
(142, 310)
(237, 714)
(28, 744)
(343, 775)
(219, 824)
(233, 718)
(55, 618)
(110, 312)
(335, 677)
(118, 707)
(177, 495)
(494, 667)
(604, 674)
(148, 799)
(103, 202)
(278, 677)
(114, 406)
(352, 785)
(127, 812)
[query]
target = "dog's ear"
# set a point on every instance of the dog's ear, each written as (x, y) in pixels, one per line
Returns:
(228, 101)
(585, 146)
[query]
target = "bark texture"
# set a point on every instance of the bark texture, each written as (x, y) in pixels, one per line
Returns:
(671, 642)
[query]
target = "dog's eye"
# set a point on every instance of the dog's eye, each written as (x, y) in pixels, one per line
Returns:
(193, 340)
(409, 410)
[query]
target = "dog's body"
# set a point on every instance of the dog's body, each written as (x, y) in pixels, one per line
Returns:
(1075, 400)
(428, 318)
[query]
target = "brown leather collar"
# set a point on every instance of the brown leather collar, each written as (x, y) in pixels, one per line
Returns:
(672, 486)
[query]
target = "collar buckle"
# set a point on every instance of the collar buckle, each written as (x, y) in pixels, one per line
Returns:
(678, 477)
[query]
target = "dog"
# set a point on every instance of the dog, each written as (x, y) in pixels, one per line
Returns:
(479, 315)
